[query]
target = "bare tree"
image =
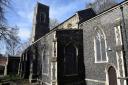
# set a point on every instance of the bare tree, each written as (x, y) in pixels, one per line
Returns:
(23, 46)
(9, 37)
(3, 5)
(101, 5)
(14, 41)
(53, 23)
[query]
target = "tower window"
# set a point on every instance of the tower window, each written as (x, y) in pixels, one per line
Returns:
(42, 17)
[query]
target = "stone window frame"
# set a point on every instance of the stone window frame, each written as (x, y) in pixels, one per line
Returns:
(118, 27)
(54, 56)
(119, 45)
(95, 50)
(46, 55)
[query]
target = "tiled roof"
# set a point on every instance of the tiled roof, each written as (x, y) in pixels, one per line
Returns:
(86, 14)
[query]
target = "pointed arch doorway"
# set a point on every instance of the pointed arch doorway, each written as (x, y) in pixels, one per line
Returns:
(112, 77)
(70, 60)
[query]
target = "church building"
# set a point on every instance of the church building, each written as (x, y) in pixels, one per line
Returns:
(86, 49)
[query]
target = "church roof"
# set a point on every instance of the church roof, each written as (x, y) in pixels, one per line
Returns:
(108, 10)
(86, 14)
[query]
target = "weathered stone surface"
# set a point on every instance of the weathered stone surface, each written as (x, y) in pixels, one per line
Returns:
(106, 22)
(45, 59)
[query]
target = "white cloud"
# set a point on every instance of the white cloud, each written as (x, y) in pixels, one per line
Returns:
(65, 11)
(27, 15)
(24, 34)
(24, 10)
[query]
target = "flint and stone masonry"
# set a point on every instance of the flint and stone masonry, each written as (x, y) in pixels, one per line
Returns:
(86, 49)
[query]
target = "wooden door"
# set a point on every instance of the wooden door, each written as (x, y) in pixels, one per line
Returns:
(112, 76)
(70, 60)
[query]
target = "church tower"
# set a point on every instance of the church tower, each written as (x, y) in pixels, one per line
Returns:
(40, 21)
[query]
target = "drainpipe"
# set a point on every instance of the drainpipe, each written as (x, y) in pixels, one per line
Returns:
(125, 43)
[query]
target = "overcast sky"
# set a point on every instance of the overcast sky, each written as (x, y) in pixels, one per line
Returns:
(21, 13)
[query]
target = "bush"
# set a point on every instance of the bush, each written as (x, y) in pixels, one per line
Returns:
(10, 78)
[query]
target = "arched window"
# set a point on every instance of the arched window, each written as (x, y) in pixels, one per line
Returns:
(69, 25)
(70, 60)
(100, 46)
(42, 17)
